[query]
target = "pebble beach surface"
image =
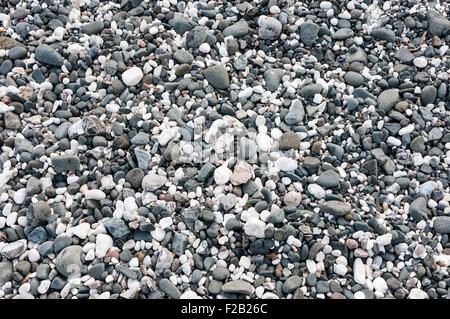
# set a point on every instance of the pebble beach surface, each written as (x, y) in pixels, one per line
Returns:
(270, 149)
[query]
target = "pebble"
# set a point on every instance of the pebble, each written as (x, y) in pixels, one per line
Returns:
(132, 76)
(259, 150)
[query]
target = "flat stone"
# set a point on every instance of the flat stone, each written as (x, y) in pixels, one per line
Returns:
(335, 207)
(14, 249)
(169, 288)
(308, 33)
(289, 140)
(68, 262)
(442, 224)
(66, 163)
(47, 55)
(387, 99)
(238, 287)
(217, 76)
(92, 27)
(116, 227)
(418, 209)
(236, 30)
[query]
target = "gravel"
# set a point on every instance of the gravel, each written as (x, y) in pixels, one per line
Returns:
(224, 149)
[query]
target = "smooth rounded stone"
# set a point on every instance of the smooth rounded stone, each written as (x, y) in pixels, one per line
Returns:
(418, 209)
(342, 34)
(311, 90)
(428, 94)
(269, 28)
(384, 34)
(204, 48)
(387, 99)
(103, 243)
(292, 199)
(308, 33)
(94, 194)
(255, 227)
(169, 288)
(238, 287)
(65, 163)
(215, 287)
(417, 144)
(276, 217)
(354, 79)
(220, 273)
(14, 249)
(335, 207)
(183, 57)
(23, 267)
(92, 27)
(17, 53)
(183, 69)
(6, 272)
(289, 140)
(135, 177)
(68, 262)
(291, 284)
(442, 224)
(190, 295)
(296, 113)
(38, 213)
(272, 77)
(152, 182)
(328, 179)
(236, 30)
(420, 62)
(316, 190)
(217, 76)
(47, 55)
(132, 76)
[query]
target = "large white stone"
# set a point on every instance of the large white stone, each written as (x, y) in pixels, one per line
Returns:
(132, 76)
(94, 194)
(417, 293)
(81, 230)
(359, 271)
(286, 164)
(384, 240)
(316, 190)
(255, 227)
(222, 174)
(380, 285)
(103, 243)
